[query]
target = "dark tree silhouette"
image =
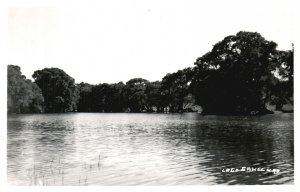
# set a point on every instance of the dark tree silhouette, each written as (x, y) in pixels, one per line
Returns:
(175, 88)
(58, 88)
(23, 96)
(135, 94)
(233, 76)
(154, 97)
(85, 101)
(118, 100)
(240, 75)
(101, 98)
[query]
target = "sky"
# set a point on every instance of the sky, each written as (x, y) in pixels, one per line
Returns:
(110, 41)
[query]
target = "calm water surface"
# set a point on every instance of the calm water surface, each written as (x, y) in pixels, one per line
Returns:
(148, 149)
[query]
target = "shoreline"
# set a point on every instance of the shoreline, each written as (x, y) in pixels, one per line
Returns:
(259, 114)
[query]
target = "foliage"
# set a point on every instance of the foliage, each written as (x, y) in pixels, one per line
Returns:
(58, 88)
(235, 76)
(240, 75)
(175, 88)
(283, 86)
(85, 102)
(135, 94)
(154, 97)
(101, 98)
(23, 96)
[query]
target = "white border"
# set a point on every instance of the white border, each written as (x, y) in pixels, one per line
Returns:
(3, 99)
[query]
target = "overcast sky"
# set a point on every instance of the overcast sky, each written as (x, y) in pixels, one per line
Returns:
(116, 40)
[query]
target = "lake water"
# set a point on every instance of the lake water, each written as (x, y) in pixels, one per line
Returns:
(148, 149)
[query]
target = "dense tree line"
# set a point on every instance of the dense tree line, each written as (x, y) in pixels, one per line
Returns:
(240, 75)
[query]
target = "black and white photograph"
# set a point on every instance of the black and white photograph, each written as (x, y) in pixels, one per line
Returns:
(149, 93)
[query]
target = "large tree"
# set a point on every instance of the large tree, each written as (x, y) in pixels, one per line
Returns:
(23, 96)
(58, 88)
(175, 88)
(135, 93)
(233, 77)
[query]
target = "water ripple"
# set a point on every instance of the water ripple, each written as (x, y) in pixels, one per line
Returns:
(148, 149)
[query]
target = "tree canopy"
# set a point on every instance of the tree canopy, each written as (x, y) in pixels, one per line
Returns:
(234, 77)
(23, 96)
(58, 88)
(175, 88)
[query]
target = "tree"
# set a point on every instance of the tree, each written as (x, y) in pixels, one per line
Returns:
(58, 88)
(23, 96)
(135, 93)
(233, 77)
(85, 101)
(154, 97)
(101, 98)
(175, 88)
(283, 85)
(240, 75)
(118, 100)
